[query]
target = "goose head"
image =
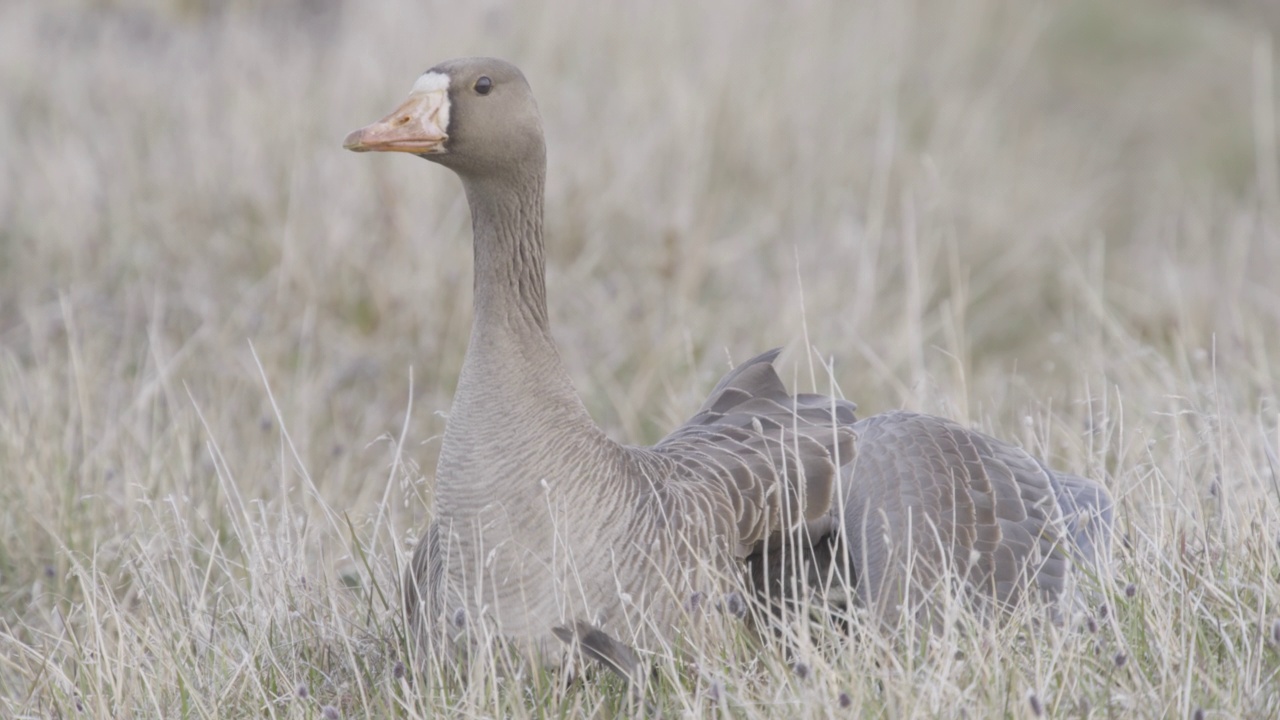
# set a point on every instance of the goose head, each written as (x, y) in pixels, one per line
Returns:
(476, 116)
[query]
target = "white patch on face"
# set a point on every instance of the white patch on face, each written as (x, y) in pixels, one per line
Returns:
(431, 82)
(437, 85)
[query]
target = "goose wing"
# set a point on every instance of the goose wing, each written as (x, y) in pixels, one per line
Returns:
(928, 499)
(776, 455)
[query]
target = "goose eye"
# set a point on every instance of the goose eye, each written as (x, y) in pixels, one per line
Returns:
(484, 85)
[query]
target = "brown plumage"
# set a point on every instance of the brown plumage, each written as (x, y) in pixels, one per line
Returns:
(544, 527)
(957, 503)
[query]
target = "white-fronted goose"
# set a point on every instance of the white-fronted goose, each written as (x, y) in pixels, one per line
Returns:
(542, 522)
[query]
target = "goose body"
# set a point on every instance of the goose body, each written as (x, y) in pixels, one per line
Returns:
(543, 522)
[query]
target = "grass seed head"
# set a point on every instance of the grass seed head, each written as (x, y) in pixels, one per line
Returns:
(735, 604)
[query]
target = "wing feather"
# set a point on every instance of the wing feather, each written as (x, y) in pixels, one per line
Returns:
(769, 453)
(927, 495)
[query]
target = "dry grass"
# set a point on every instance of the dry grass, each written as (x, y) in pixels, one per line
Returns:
(225, 344)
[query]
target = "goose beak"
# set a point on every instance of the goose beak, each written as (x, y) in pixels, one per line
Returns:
(418, 126)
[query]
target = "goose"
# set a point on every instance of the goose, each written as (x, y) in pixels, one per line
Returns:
(546, 531)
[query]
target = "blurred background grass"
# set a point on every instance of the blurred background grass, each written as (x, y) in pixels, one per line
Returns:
(1054, 220)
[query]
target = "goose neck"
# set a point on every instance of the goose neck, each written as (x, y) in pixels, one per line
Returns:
(512, 365)
(510, 287)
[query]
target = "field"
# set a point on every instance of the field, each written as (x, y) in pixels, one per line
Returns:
(227, 346)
